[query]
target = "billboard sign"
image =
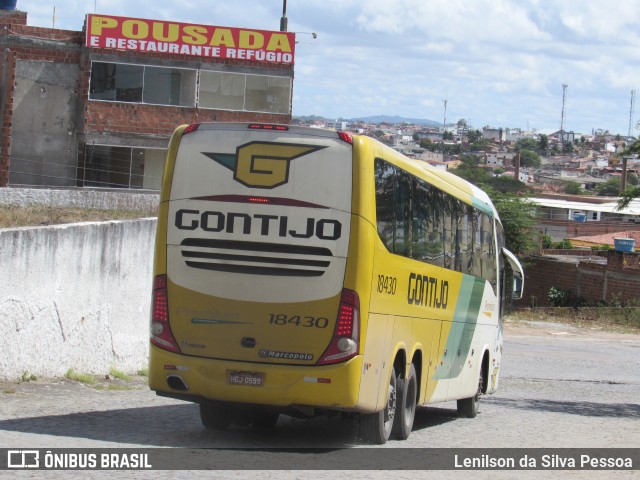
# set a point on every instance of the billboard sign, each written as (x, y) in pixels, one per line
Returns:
(187, 39)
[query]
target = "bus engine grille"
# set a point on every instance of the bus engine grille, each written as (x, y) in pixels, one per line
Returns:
(255, 258)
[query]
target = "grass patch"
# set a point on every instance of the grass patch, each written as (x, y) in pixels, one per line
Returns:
(27, 377)
(115, 373)
(9, 391)
(80, 377)
(143, 372)
(615, 319)
(37, 215)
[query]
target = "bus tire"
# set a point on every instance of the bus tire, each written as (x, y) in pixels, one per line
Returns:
(263, 420)
(215, 417)
(406, 409)
(375, 428)
(468, 407)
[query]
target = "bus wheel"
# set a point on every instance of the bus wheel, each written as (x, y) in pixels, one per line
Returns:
(376, 427)
(215, 417)
(263, 420)
(468, 407)
(407, 399)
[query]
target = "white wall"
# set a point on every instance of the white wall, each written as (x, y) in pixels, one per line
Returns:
(80, 197)
(75, 296)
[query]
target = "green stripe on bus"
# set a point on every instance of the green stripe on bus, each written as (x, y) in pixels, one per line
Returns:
(462, 328)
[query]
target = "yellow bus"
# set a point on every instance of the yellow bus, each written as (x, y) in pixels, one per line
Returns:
(304, 271)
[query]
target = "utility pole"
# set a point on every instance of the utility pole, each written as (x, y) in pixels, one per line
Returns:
(283, 20)
(564, 96)
(631, 112)
(623, 180)
(444, 122)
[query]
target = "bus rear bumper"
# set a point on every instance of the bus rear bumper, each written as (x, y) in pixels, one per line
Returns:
(330, 387)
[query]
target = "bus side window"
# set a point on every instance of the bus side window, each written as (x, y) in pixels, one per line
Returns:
(385, 188)
(402, 207)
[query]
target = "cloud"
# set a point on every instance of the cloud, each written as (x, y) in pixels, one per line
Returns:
(498, 62)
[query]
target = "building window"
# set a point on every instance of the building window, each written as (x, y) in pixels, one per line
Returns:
(114, 81)
(107, 166)
(267, 94)
(223, 91)
(169, 86)
(182, 87)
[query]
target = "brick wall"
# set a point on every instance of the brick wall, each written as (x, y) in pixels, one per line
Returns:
(103, 119)
(593, 280)
(21, 42)
(570, 229)
(12, 17)
(143, 119)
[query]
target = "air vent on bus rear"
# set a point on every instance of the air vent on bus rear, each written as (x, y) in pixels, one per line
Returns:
(255, 258)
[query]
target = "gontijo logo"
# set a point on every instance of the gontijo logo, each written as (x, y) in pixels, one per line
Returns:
(262, 164)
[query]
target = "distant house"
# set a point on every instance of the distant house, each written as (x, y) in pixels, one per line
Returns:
(564, 136)
(606, 239)
(563, 207)
(495, 134)
(499, 159)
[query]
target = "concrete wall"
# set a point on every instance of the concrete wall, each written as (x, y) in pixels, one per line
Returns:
(82, 198)
(43, 150)
(75, 296)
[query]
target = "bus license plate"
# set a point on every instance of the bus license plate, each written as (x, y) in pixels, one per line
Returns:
(252, 379)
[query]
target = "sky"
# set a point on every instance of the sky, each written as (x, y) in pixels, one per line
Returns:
(497, 63)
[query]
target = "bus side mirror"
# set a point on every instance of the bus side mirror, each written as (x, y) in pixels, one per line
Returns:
(517, 288)
(518, 274)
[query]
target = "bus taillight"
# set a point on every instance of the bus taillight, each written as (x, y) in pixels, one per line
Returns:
(346, 336)
(345, 137)
(161, 335)
(191, 128)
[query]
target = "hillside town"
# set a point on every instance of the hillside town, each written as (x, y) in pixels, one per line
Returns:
(586, 243)
(569, 158)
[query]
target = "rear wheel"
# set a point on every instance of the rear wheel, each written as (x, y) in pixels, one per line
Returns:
(468, 407)
(407, 400)
(375, 428)
(216, 417)
(263, 420)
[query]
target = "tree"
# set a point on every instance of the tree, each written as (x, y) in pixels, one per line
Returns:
(527, 148)
(543, 145)
(446, 135)
(526, 144)
(529, 158)
(506, 184)
(631, 193)
(469, 170)
(573, 188)
(474, 136)
(519, 219)
(627, 196)
(567, 147)
(426, 143)
(610, 188)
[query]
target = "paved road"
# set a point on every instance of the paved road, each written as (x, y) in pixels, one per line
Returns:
(560, 388)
